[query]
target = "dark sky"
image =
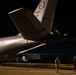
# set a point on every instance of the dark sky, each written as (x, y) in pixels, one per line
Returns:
(64, 18)
(7, 28)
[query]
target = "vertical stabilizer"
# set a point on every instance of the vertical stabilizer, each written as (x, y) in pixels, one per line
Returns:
(45, 13)
(27, 24)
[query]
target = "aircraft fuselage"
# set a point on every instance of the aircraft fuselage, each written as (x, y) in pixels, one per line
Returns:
(12, 45)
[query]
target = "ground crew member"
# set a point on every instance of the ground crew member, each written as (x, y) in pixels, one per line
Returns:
(74, 63)
(57, 62)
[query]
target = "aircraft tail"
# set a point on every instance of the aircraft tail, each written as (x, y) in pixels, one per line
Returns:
(27, 24)
(45, 13)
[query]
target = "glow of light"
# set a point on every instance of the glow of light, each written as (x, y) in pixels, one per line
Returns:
(15, 10)
(13, 41)
(32, 48)
(20, 40)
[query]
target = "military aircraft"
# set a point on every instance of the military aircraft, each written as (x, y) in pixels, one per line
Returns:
(36, 29)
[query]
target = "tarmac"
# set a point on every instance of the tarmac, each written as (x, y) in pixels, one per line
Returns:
(37, 65)
(19, 68)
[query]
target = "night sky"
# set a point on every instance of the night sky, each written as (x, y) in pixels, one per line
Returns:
(64, 17)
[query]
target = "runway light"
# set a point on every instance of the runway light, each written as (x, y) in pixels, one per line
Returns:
(65, 34)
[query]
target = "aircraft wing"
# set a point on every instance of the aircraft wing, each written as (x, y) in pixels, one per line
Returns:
(64, 41)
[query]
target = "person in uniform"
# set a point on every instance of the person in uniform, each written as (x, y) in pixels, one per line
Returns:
(57, 62)
(74, 64)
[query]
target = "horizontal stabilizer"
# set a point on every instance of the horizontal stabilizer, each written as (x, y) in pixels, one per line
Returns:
(27, 24)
